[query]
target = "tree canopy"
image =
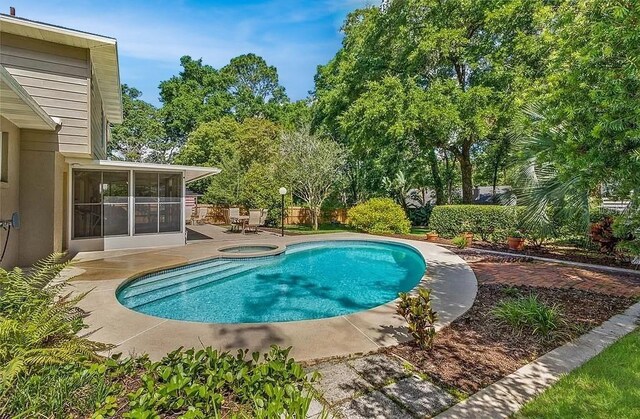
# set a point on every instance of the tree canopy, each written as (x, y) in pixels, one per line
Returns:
(450, 73)
(141, 136)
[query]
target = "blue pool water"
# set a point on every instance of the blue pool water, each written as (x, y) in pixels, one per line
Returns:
(309, 281)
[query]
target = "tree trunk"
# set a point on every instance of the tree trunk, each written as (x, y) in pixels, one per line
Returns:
(314, 217)
(449, 177)
(466, 168)
(437, 180)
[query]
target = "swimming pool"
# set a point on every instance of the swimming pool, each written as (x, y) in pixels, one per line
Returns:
(308, 281)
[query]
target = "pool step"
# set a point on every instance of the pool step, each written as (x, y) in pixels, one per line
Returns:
(172, 273)
(174, 278)
(137, 301)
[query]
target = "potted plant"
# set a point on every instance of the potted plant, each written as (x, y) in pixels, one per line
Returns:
(432, 236)
(515, 240)
(467, 233)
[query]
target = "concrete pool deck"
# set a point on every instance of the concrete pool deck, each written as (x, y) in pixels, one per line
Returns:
(451, 279)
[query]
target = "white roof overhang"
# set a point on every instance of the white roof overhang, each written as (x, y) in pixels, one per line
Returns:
(17, 105)
(103, 50)
(190, 173)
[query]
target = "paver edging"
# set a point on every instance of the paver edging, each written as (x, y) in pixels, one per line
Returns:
(593, 266)
(506, 396)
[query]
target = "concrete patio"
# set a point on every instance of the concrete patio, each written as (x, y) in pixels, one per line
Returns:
(453, 282)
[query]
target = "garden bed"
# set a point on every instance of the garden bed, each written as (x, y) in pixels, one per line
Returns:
(475, 351)
(551, 251)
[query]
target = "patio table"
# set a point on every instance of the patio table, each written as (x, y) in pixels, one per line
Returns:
(241, 220)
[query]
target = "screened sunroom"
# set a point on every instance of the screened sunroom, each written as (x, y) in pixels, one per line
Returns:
(119, 205)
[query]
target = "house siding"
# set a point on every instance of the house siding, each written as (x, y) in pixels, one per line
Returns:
(58, 78)
(98, 140)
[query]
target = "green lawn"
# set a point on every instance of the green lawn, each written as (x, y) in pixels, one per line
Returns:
(419, 231)
(608, 386)
(334, 228)
(323, 228)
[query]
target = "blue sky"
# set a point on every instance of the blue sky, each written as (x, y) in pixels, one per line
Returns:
(295, 36)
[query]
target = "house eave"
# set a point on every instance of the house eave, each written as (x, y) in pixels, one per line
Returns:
(103, 50)
(191, 173)
(20, 108)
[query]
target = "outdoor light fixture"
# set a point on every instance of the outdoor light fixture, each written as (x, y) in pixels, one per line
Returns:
(283, 192)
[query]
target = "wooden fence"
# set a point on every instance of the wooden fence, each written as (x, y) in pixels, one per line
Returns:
(293, 215)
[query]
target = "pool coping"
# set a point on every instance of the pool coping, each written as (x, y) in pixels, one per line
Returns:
(453, 283)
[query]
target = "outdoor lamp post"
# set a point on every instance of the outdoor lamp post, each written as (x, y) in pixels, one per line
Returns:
(283, 192)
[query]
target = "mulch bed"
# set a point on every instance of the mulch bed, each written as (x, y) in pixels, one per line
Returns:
(475, 351)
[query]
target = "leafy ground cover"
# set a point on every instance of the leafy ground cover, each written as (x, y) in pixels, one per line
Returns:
(607, 386)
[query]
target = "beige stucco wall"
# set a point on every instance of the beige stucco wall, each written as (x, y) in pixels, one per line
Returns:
(41, 196)
(9, 194)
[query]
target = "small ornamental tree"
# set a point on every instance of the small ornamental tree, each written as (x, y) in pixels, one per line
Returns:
(311, 165)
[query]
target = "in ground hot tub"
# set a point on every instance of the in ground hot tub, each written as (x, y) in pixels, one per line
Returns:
(248, 248)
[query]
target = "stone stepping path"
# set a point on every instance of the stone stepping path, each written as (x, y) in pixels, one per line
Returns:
(375, 386)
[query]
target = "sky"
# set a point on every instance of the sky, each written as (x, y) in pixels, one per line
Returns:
(294, 35)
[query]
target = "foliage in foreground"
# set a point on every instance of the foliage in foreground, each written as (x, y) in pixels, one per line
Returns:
(47, 369)
(528, 314)
(607, 386)
(189, 383)
(379, 216)
(39, 325)
(420, 316)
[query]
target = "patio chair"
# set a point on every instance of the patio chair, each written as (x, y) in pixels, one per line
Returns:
(254, 220)
(263, 217)
(234, 216)
(201, 215)
(192, 216)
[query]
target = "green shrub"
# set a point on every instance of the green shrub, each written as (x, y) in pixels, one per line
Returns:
(528, 313)
(516, 234)
(420, 317)
(484, 220)
(460, 242)
(420, 216)
(379, 216)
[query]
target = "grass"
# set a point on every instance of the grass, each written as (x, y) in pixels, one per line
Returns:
(419, 231)
(608, 386)
(322, 228)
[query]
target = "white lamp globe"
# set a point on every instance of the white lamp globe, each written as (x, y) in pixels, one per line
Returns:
(283, 191)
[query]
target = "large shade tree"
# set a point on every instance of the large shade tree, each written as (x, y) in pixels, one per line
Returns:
(471, 57)
(254, 87)
(583, 131)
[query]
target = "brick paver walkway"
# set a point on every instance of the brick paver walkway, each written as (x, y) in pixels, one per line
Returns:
(550, 275)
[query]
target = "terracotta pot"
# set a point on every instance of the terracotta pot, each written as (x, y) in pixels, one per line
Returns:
(515, 243)
(468, 237)
(432, 237)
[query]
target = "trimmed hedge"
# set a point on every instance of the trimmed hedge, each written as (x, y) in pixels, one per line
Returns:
(484, 220)
(379, 216)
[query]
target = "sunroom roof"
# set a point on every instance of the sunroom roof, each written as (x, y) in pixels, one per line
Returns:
(191, 173)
